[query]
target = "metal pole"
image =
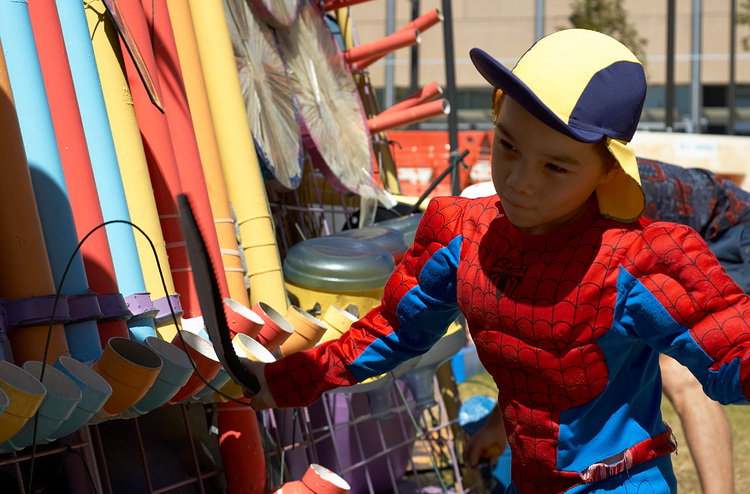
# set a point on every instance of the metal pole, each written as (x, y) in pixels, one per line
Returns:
(669, 104)
(450, 83)
(731, 93)
(414, 81)
(539, 25)
(390, 26)
(696, 103)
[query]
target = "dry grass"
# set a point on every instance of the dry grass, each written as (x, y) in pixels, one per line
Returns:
(687, 477)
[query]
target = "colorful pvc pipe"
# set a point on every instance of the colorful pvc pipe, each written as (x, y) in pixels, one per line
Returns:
(74, 155)
(175, 372)
(104, 162)
(133, 168)
(425, 94)
(245, 187)
(25, 394)
(382, 46)
(203, 123)
(48, 179)
(338, 4)
(24, 264)
(409, 116)
(241, 448)
(95, 392)
(181, 131)
(58, 404)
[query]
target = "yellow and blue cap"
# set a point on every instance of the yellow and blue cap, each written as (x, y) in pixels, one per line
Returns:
(587, 86)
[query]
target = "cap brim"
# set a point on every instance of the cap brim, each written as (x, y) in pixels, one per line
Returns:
(507, 82)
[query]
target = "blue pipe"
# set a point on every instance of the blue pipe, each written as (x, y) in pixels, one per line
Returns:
(103, 157)
(48, 180)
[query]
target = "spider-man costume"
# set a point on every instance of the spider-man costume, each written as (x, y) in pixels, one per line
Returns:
(568, 324)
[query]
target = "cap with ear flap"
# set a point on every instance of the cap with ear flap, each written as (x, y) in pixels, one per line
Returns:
(587, 86)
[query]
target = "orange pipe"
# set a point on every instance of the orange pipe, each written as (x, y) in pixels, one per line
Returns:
(203, 124)
(23, 262)
(427, 93)
(181, 130)
(409, 116)
(162, 164)
(422, 23)
(74, 154)
(338, 4)
(382, 46)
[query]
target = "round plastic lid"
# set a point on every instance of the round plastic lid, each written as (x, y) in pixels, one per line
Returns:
(338, 263)
(391, 239)
(407, 225)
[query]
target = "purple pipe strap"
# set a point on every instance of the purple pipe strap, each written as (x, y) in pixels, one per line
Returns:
(35, 311)
(141, 306)
(164, 315)
(114, 307)
(84, 307)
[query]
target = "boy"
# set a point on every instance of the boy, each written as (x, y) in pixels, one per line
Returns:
(569, 297)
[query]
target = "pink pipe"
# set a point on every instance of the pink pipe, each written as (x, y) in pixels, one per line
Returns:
(409, 116)
(74, 154)
(427, 93)
(382, 46)
(181, 129)
(162, 164)
(317, 480)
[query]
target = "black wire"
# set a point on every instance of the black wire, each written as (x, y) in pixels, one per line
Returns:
(52, 322)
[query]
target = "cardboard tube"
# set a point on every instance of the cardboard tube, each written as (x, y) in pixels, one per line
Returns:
(131, 157)
(409, 116)
(382, 46)
(203, 123)
(245, 187)
(427, 93)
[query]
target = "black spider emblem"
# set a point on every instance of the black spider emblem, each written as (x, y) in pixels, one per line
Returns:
(506, 276)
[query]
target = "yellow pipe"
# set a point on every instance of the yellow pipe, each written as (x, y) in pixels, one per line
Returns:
(200, 111)
(130, 154)
(245, 186)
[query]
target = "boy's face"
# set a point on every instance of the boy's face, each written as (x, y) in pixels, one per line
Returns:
(543, 178)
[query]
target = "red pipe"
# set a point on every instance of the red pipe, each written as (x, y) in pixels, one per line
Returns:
(382, 46)
(184, 142)
(421, 23)
(427, 93)
(162, 164)
(241, 449)
(74, 154)
(408, 116)
(338, 4)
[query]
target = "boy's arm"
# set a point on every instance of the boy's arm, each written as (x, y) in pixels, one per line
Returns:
(419, 303)
(684, 305)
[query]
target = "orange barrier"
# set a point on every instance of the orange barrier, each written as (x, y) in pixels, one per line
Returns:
(408, 116)
(382, 46)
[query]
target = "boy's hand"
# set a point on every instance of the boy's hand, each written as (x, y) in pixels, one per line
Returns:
(488, 443)
(263, 399)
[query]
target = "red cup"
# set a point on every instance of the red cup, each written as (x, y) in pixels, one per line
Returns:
(276, 329)
(241, 319)
(207, 364)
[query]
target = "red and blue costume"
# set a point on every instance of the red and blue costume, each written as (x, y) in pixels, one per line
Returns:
(569, 324)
